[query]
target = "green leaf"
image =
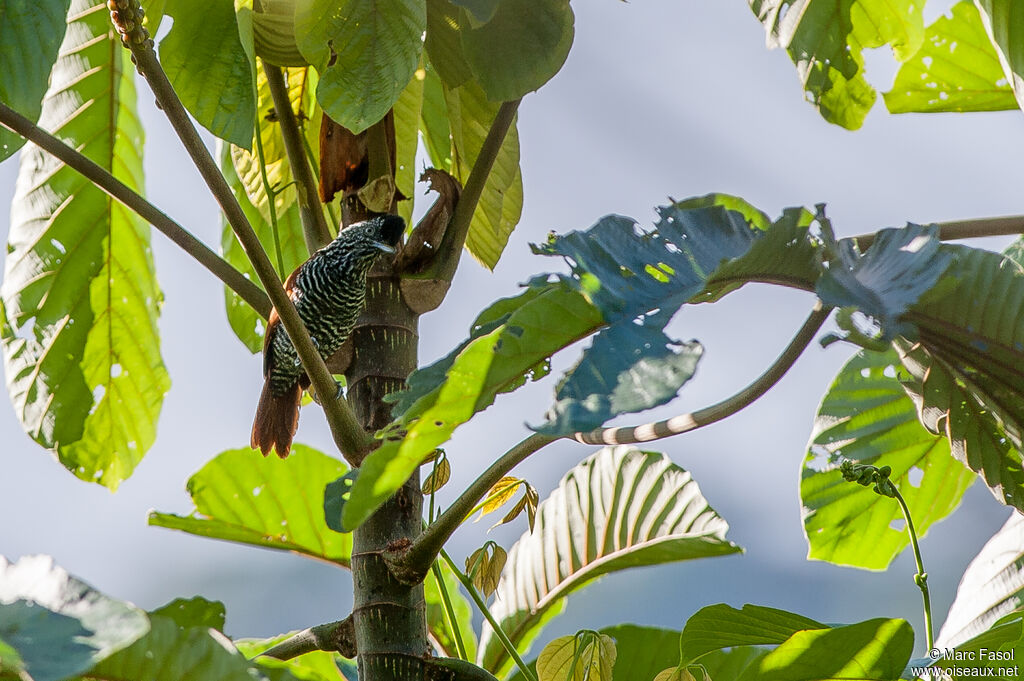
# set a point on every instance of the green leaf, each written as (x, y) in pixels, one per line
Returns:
(407, 121)
(900, 267)
(992, 586)
(967, 367)
(30, 34)
(437, 621)
(501, 202)
(721, 626)
(194, 612)
(482, 10)
(211, 68)
(56, 625)
(80, 301)
(867, 417)
(619, 508)
(335, 496)
(520, 48)
(247, 324)
(993, 654)
(315, 665)
(444, 43)
(269, 502)
(826, 38)
(583, 656)
(437, 136)
(642, 652)
(1004, 22)
(365, 50)
(875, 649)
(301, 92)
(957, 69)
(737, 664)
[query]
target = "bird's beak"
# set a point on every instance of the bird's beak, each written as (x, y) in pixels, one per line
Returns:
(383, 246)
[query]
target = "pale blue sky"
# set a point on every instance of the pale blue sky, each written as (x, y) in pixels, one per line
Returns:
(657, 99)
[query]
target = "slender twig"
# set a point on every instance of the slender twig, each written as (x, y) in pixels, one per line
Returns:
(349, 436)
(482, 606)
(333, 637)
(220, 268)
(314, 227)
(921, 578)
(455, 236)
(965, 229)
(411, 565)
(449, 611)
(716, 412)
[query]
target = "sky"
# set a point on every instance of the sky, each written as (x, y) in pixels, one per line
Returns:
(656, 100)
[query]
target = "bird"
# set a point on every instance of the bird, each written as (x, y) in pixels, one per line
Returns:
(328, 291)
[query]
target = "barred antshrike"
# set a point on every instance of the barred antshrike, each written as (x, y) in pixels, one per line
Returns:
(328, 290)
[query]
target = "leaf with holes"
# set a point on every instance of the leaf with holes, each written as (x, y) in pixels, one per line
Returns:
(826, 38)
(957, 69)
(30, 35)
(57, 626)
(80, 300)
(204, 53)
(619, 508)
(967, 367)
(867, 417)
(269, 502)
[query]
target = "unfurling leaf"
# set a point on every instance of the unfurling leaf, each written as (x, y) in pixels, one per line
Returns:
(484, 567)
(438, 477)
(499, 495)
(585, 656)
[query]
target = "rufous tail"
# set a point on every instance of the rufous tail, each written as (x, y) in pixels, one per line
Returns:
(277, 417)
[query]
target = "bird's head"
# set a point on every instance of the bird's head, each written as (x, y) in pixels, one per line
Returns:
(369, 238)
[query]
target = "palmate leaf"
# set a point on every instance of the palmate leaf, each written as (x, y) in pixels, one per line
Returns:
(957, 69)
(57, 625)
(366, 52)
(245, 322)
(825, 40)
(30, 34)
(277, 504)
(80, 300)
(867, 417)
(1004, 22)
(967, 367)
(619, 508)
(694, 254)
(205, 53)
(992, 586)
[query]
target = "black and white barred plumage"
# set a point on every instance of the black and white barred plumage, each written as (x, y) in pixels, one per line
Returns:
(328, 290)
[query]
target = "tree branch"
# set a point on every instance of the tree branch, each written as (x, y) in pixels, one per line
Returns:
(965, 229)
(314, 226)
(453, 669)
(698, 419)
(103, 179)
(349, 436)
(333, 637)
(411, 565)
(450, 250)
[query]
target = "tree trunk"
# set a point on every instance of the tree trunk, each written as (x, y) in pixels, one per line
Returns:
(389, 617)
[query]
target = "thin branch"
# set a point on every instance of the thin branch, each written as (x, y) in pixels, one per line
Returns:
(333, 637)
(455, 236)
(412, 564)
(966, 229)
(314, 226)
(103, 179)
(698, 419)
(349, 436)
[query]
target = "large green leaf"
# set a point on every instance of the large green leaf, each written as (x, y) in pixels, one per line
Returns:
(501, 202)
(619, 508)
(57, 625)
(957, 69)
(826, 38)
(642, 652)
(444, 43)
(80, 300)
(407, 138)
(269, 502)
(721, 626)
(993, 654)
(247, 324)
(992, 586)
(365, 50)
(301, 92)
(211, 68)
(1004, 22)
(437, 135)
(30, 33)
(522, 45)
(967, 367)
(867, 417)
